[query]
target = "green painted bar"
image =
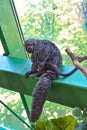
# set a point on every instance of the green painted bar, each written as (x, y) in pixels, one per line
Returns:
(70, 91)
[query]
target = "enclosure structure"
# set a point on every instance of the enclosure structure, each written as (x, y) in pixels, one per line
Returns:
(70, 91)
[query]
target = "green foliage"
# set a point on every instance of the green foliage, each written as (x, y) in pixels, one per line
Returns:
(62, 123)
(53, 110)
(7, 119)
(60, 22)
(79, 114)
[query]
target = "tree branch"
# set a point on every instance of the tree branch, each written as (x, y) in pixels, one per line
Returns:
(76, 61)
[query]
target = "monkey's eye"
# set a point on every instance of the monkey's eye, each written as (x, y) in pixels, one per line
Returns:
(28, 45)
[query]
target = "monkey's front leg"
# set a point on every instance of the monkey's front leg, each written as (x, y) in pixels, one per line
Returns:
(37, 74)
(33, 70)
(40, 69)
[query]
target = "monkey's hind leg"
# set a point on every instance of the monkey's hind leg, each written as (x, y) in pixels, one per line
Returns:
(39, 96)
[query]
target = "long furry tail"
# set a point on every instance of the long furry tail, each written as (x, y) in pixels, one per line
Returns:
(39, 96)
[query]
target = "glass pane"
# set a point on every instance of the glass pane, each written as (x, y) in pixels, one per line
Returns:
(7, 118)
(62, 22)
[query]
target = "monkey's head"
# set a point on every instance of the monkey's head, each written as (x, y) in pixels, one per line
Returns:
(29, 45)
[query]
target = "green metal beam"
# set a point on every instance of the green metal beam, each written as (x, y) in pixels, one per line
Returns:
(70, 91)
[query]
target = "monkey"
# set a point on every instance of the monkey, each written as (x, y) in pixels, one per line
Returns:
(44, 66)
(46, 63)
(46, 55)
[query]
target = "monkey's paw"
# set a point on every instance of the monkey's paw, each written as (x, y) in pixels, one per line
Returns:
(27, 74)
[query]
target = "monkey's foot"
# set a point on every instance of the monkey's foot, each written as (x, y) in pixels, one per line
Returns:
(51, 75)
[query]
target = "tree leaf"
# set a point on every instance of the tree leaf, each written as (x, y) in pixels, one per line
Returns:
(62, 123)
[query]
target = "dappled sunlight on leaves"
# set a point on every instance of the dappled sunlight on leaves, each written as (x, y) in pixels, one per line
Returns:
(62, 123)
(61, 22)
(52, 110)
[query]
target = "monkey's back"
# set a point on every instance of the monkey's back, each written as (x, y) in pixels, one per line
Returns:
(45, 49)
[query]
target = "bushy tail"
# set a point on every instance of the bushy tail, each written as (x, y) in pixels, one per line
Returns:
(39, 96)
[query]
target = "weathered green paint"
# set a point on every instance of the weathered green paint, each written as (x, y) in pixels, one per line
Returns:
(10, 30)
(70, 91)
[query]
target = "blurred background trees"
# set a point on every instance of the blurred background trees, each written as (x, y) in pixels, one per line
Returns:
(62, 22)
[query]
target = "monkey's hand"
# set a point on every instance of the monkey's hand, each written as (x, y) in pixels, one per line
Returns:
(38, 74)
(27, 74)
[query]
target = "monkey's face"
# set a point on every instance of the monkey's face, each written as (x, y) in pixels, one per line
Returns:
(29, 47)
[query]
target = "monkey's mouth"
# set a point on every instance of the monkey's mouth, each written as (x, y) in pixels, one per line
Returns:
(29, 50)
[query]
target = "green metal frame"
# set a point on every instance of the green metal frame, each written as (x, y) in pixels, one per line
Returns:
(11, 36)
(11, 32)
(4, 42)
(70, 91)
(25, 104)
